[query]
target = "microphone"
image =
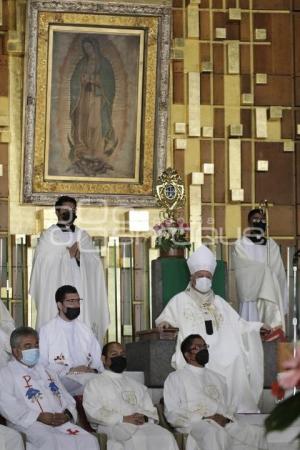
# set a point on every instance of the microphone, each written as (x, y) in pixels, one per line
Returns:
(209, 327)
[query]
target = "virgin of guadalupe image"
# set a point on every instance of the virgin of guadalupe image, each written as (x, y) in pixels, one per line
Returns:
(92, 91)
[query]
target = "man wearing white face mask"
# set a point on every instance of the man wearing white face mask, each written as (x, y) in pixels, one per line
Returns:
(34, 402)
(235, 345)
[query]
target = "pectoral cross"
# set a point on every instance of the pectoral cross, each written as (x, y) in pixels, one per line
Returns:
(72, 432)
(27, 378)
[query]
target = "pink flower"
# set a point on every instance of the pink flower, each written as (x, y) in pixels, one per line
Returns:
(156, 228)
(291, 377)
(180, 221)
(167, 223)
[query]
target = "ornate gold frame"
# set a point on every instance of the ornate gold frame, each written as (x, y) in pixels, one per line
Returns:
(41, 16)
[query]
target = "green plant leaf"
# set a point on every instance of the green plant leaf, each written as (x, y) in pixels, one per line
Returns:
(284, 414)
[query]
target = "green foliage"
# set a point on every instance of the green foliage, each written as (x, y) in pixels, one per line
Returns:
(284, 414)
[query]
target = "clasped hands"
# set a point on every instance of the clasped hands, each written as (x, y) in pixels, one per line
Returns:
(135, 419)
(81, 369)
(53, 419)
(219, 419)
(74, 251)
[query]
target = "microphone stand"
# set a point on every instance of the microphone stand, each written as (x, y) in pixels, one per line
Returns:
(295, 317)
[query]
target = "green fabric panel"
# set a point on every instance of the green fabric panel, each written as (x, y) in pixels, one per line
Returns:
(176, 276)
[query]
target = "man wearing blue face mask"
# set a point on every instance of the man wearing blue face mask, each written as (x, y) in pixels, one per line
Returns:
(260, 274)
(121, 407)
(34, 402)
(67, 345)
(234, 343)
(196, 403)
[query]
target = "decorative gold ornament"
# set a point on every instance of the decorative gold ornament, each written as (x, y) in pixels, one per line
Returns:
(170, 192)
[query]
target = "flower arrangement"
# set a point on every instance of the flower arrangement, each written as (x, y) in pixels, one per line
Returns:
(288, 410)
(172, 233)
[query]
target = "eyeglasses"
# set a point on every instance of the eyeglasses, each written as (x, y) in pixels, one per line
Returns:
(197, 348)
(73, 301)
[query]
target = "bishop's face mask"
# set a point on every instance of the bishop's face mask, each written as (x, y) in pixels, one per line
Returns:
(203, 284)
(260, 226)
(30, 356)
(202, 357)
(68, 216)
(72, 313)
(118, 364)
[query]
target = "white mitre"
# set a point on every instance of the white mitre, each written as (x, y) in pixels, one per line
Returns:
(202, 259)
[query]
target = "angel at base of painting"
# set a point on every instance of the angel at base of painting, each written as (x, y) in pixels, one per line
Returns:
(92, 139)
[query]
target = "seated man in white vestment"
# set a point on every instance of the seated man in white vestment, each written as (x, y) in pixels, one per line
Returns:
(235, 345)
(10, 439)
(34, 402)
(66, 255)
(68, 346)
(122, 408)
(196, 403)
(260, 275)
(7, 325)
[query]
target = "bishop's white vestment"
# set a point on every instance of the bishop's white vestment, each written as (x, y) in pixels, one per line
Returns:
(66, 344)
(111, 396)
(28, 391)
(191, 395)
(10, 439)
(261, 281)
(235, 348)
(7, 325)
(53, 267)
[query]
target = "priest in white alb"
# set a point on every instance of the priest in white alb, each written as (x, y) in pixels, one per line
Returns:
(68, 346)
(235, 345)
(260, 275)
(66, 255)
(34, 402)
(7, 325)
(196, 402)
(121, 407)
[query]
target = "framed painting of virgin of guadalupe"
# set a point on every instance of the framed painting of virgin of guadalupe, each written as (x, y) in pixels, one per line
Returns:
(95, 101)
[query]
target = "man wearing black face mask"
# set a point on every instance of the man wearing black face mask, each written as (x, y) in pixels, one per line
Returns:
(66, 255)
(260, 275)
(121, 407)
(67, 345)
(196, 403)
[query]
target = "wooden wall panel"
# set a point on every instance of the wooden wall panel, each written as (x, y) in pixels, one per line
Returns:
(245, 84)
(246, 164)
(3, 215)
(287, 124)
(297, 122)
(233, 29)
(3, 75)
(178, 82)
(219, 124)
(297, 5)
(220, 220)
(204, 20)
(245, 27)
(245, 59)
(277, 91)
(244, 4)
(217, 4)
(297, 149)
(207, 222)
(297, 42)
(204, 4)
(218, 86)
(219, 178)
(205, 157)
(272, 4)
(205, 89)
(177, 3)
(246, 120)
(4, 177)
(178, 31)
(179, 162)
(205, 52)
(218, 58)
(230, 4)
(297, 91)
(282, 220)
(219, 20)
(281, 164)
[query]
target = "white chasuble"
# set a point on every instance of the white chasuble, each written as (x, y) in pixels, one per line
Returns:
(25, 393)
(7, 325)
(235, 348)
(193, 394)
(261, 281)
(53, 267)
(111, 396)
(10, 439)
